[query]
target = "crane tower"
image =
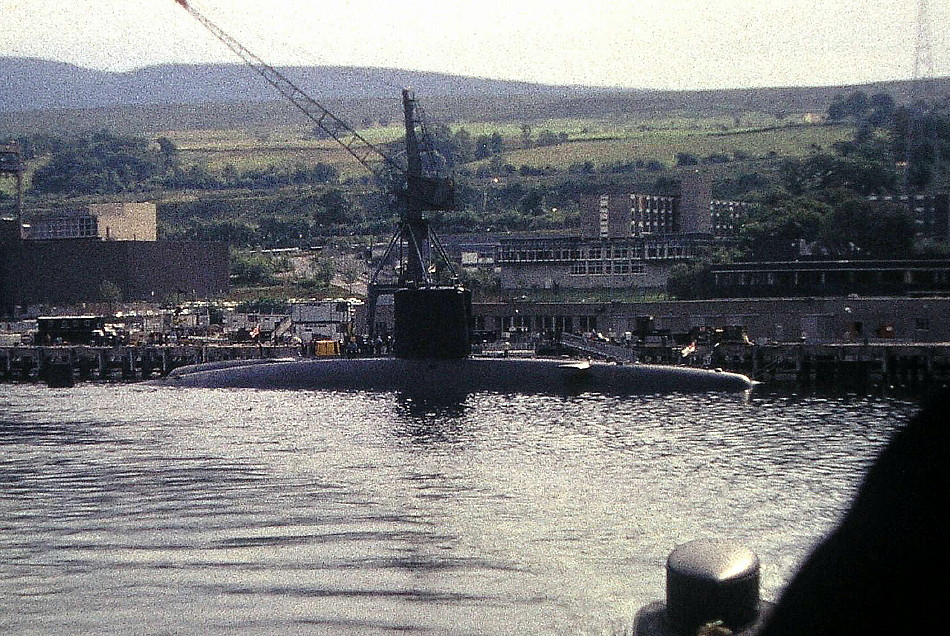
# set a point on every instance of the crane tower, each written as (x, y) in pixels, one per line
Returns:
(430, 320)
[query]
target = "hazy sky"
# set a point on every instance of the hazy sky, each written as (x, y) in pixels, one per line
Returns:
(680, 44)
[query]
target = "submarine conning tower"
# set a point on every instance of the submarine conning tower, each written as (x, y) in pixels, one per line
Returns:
(432, 322)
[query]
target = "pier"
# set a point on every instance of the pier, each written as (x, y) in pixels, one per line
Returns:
(852, 365)
(842, 365)
(835, 365)
(121, 363)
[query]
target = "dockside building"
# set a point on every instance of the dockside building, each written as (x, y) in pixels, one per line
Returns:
(626, 240)
(69, 257)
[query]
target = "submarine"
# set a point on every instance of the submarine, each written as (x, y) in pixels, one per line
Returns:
(433, 377)
(432, 323)
(432, 358)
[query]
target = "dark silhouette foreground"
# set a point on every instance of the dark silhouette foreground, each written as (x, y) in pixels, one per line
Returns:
(884, 569)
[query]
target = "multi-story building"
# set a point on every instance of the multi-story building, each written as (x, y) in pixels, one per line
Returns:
(831, 278)
(784, 319)
(817, 319)
(642, 262)
(653, 214)
(626, 240)
(931, 213)
(79, 257)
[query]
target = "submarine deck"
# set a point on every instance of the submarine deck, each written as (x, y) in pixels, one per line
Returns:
(462, 375)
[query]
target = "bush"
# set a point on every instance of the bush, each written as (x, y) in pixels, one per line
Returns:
(252, 269)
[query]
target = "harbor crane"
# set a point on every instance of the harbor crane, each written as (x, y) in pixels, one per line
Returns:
(424, 186)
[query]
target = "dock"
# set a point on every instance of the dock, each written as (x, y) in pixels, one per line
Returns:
(833, 364)
(856, 366)
(128, 363)
(852, 365)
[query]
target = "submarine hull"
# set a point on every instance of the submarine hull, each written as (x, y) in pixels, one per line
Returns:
(455, 376)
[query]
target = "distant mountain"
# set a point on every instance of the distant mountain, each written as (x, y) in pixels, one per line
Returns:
(33, 84)
(40, 96)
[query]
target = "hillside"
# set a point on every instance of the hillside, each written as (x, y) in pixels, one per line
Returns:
(40, 96)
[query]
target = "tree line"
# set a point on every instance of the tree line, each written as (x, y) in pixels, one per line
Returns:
(101, 163)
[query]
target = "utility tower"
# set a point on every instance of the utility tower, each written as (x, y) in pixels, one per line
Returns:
(921, 129)
(923, 54)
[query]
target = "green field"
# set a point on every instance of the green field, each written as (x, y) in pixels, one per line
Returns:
(618, 139)
(664, 145)
(283, 148)
(600, 141)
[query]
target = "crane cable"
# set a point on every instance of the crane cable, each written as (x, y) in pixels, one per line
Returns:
(354, 143)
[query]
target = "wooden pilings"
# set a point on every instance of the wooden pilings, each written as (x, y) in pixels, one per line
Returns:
(122, 363)
(848, 365)
(844, 365)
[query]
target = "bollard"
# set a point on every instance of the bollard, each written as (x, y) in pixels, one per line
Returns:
(712, 587)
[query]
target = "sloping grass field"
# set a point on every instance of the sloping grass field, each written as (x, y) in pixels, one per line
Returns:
(663, 145)
(598, 141)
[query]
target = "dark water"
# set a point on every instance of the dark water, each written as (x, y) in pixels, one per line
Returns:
(143, 510)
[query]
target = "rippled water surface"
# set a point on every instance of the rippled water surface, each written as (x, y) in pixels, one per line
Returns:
(145, 510)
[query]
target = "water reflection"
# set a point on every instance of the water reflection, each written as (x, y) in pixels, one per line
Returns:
(47, 432)
(431, 419)
(214, 510)
(426, 406)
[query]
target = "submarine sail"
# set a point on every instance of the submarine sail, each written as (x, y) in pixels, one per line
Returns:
(432, 322)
